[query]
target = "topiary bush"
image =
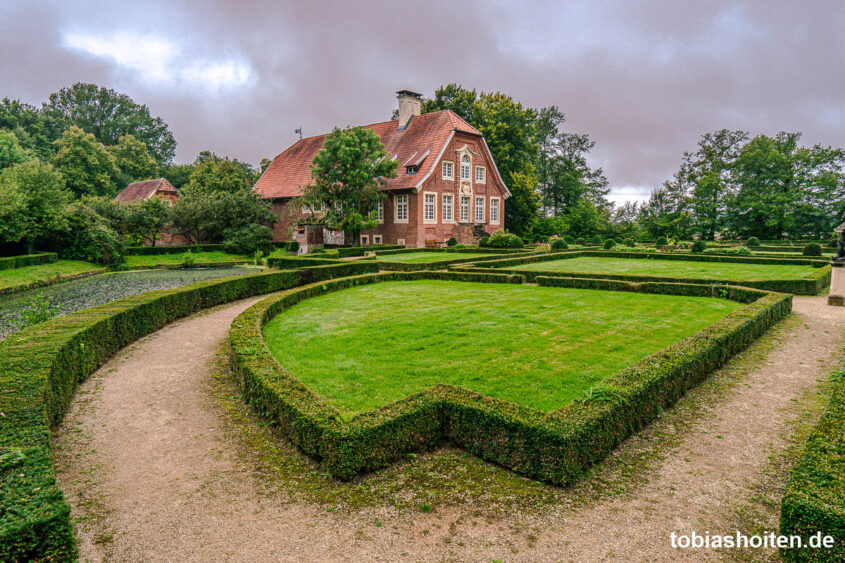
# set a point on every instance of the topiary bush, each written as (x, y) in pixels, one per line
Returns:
(699, 246)
(813, 249)
(581, 241)
(662, 241)
(630, 243)
(596, 240)
(559, 244)
(569, 239)
(609, 243)
(452, 242)
(753, 241)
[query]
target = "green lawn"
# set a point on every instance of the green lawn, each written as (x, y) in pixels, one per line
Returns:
(417, 257)
(365, 347)
(671, 268)
(44, 272)
(212, 257)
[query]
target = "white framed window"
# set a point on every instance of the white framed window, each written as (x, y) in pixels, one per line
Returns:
(448, 208)
(365, 240)
(479, 209)
(494, 210)
(448, 170)
(429, 207)
(376, 239)
(479, 174)
(400, 241)
(401, 208)
(380, 211)
(464, 209)
(465, 167)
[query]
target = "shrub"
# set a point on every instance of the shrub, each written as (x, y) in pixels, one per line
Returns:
(483, 242)
(569, 239)
(833, 243)
(37, 310)
(730, 251)
(452, 242)
(559, 244)
(88, 237)
(502, 239)
(813, 249)
(699, 246)
(609, 243)
(662, 241)
(752, 242)
(581, 242)
(249, 239)
(630, 243)
(596, 240)
(292, 246)
(12, 262)
(188, 260)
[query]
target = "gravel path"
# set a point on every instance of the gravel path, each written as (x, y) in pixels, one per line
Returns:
(147, 463)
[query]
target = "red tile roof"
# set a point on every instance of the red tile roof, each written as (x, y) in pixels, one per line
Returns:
(291, 170)
(137, 191)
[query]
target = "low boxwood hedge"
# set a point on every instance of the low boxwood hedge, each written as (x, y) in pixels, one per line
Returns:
(39, 370)
(556, 447)
(12, 262)
(290, 246)
(814, 500)
(817, 283)
(475, 250)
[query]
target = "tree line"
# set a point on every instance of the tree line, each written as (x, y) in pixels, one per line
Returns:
(732, 185)
(62, 164)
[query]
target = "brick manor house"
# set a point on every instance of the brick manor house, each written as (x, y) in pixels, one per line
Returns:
(446, 184)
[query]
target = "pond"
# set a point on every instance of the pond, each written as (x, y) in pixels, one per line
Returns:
(96, 290)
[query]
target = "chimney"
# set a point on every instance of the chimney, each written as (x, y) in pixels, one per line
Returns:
(409, 105)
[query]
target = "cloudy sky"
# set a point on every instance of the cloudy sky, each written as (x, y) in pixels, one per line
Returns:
(643, 78)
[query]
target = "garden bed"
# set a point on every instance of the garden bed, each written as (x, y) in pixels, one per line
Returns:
(555, 446)
(797, 276)
(40, 275)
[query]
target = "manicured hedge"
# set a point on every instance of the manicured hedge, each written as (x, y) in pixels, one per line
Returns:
(290, 246)
(557, 447)
(476, 250)
(39, 370)
(347, 251)
(304, 261)
(12, 262)
(817, 283)
(814, 500)
(813, 285)
(178, 249)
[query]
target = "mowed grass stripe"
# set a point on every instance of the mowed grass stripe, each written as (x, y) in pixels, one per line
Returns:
(672, 268)
(542, 347)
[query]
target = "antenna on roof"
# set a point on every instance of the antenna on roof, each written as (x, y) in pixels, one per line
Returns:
(299, 131)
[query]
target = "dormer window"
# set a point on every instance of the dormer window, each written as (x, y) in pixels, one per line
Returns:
(465, 166)
(411, 170)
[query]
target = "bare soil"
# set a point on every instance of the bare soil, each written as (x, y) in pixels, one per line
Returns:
(154, 471)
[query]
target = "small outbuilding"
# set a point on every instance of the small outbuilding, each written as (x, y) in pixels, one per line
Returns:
(139, 191)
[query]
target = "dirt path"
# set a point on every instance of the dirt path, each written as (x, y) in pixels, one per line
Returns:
(151, 472)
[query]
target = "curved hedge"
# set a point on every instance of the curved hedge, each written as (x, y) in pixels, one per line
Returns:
(12, 262)
(39, 370)
(557, 446)
(817, 283)
(814, 500)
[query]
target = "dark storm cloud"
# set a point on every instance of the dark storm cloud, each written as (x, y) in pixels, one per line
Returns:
(644, 79)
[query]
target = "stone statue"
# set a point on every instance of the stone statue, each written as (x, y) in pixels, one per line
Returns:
(840, 246)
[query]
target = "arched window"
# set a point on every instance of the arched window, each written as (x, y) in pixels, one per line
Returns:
(465, 167)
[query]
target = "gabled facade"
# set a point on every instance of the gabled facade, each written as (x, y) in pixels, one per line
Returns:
(447, 184)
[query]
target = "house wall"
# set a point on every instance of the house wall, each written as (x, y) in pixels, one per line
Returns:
(417, 232)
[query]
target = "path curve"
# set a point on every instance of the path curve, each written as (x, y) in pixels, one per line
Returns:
(144, 460)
